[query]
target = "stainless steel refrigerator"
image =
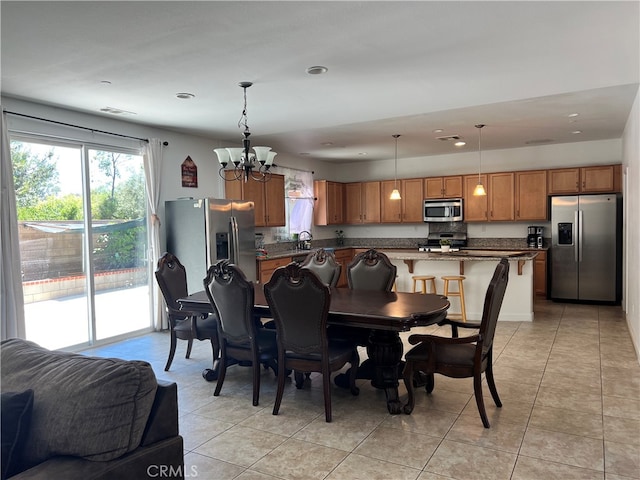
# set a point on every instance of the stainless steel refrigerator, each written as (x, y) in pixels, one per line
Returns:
(586, 254)
(203, 231)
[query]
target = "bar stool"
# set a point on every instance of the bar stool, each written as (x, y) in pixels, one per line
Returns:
(424, 279)
(459, 293)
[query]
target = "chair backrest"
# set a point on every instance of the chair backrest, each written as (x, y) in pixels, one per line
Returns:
(172, 280)
(231, 296)
(492, 304)
(371, 270)
(299, 302)
(323, 264)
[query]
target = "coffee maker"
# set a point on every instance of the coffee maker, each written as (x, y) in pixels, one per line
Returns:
(535, 236)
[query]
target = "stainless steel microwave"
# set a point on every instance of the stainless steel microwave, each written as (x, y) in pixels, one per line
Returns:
(446, 210)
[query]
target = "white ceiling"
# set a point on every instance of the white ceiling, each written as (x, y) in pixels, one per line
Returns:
(394, 67)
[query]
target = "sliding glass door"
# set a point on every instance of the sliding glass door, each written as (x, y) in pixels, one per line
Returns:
(83, 242)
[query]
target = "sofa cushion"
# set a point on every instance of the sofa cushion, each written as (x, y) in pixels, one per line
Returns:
(95, 408)
(16, 410)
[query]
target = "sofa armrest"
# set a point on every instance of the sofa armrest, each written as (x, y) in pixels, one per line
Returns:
(163, 419)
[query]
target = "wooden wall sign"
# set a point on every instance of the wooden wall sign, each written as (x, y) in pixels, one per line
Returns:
(189, 173)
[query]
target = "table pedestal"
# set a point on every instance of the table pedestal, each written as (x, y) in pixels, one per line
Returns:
(383, 367)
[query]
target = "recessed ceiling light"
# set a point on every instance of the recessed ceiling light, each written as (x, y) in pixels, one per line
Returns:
(105, 82)
(438, 130)
(576, 132)
(326, 144)
(362, 154)
(460, 144)
(185, 96)
(571, 115)
(317, 70)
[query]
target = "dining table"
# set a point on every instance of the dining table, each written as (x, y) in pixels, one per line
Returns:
(383, 314)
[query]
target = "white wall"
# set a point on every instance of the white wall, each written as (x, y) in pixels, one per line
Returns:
(631, 167)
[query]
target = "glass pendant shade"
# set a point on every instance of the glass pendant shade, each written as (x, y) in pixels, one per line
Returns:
(223, 156)
(395, 194)
(270, 157)
(235, 154)
(262, 153)
(479, 191)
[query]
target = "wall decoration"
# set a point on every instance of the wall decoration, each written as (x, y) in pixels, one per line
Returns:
(189, 173)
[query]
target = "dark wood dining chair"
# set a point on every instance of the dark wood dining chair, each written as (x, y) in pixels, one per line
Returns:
(299, 302)
(371, 270)
(231, 297)
(323, 264)
(460, 357)
(183, 325)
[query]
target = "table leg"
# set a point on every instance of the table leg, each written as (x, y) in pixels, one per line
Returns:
(383, 367)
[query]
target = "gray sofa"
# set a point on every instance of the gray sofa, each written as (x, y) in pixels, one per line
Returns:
(70, 416)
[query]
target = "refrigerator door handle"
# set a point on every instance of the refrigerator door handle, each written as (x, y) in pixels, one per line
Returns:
(234, 247)
(580, 219)
(576, 243)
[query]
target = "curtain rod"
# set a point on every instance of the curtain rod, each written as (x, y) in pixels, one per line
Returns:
(79, 126)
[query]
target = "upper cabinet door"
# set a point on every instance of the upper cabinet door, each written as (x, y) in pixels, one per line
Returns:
(601, 179)
(531, 195)
(433, 187)
(391, 210)
(274, 201)
(353, 203)
(564, 181)
(501, 197)
(475, 208)
(412, 200)
(371, 202)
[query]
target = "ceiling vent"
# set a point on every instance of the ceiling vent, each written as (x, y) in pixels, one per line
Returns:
(449, 137)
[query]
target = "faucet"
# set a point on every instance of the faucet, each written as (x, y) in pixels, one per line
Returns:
(304, 240)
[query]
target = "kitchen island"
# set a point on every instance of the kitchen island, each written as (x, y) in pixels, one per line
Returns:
(477, 266)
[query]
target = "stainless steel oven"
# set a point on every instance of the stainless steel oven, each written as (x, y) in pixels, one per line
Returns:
(449, 210)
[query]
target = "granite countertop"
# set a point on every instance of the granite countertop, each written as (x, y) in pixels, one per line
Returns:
(462, 255)
(465, 254)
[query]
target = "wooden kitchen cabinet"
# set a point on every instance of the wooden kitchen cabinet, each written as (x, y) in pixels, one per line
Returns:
(475, 208)
(531, 195)
(267, 267)
(501, 196)
(407, 210)
(329, 206)
(601, 179)
(412, 200)
(362, 202)
(343, 257)
(496, 205)
(267, 197)
(540, 274)
(443, 187)
(593, 179)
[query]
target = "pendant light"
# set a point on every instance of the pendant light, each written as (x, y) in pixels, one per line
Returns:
(479, 191)
(395, 194)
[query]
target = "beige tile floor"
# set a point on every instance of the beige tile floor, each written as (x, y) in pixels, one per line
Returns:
(569, 382)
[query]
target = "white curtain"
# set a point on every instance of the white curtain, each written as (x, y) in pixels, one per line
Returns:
(11, 299)
(153, 174)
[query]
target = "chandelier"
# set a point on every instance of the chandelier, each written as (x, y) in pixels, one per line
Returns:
(243, 163)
